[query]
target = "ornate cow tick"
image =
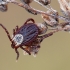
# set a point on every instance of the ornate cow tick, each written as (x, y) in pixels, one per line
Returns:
(28, 35)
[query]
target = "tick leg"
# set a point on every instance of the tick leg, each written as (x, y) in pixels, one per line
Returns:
(46, 35)
(25, 50)
(25, 53)
(17, 27)
(14, 30)
(17, 53)
(28, 20)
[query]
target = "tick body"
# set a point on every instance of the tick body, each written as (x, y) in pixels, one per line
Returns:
(29, 31)
(27, 35)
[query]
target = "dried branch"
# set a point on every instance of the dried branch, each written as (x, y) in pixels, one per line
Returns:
(38, 11)
(48, 17)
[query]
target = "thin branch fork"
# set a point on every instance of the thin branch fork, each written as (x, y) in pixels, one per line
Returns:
(38, 11)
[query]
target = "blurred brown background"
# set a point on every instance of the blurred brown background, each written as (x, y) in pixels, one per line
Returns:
(55, 50)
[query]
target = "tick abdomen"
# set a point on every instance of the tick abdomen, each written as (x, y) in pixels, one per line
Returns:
(29, 32)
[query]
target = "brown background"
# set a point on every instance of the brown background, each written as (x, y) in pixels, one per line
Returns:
(55, 50)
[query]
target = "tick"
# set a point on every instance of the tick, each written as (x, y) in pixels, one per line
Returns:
(28, 35)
